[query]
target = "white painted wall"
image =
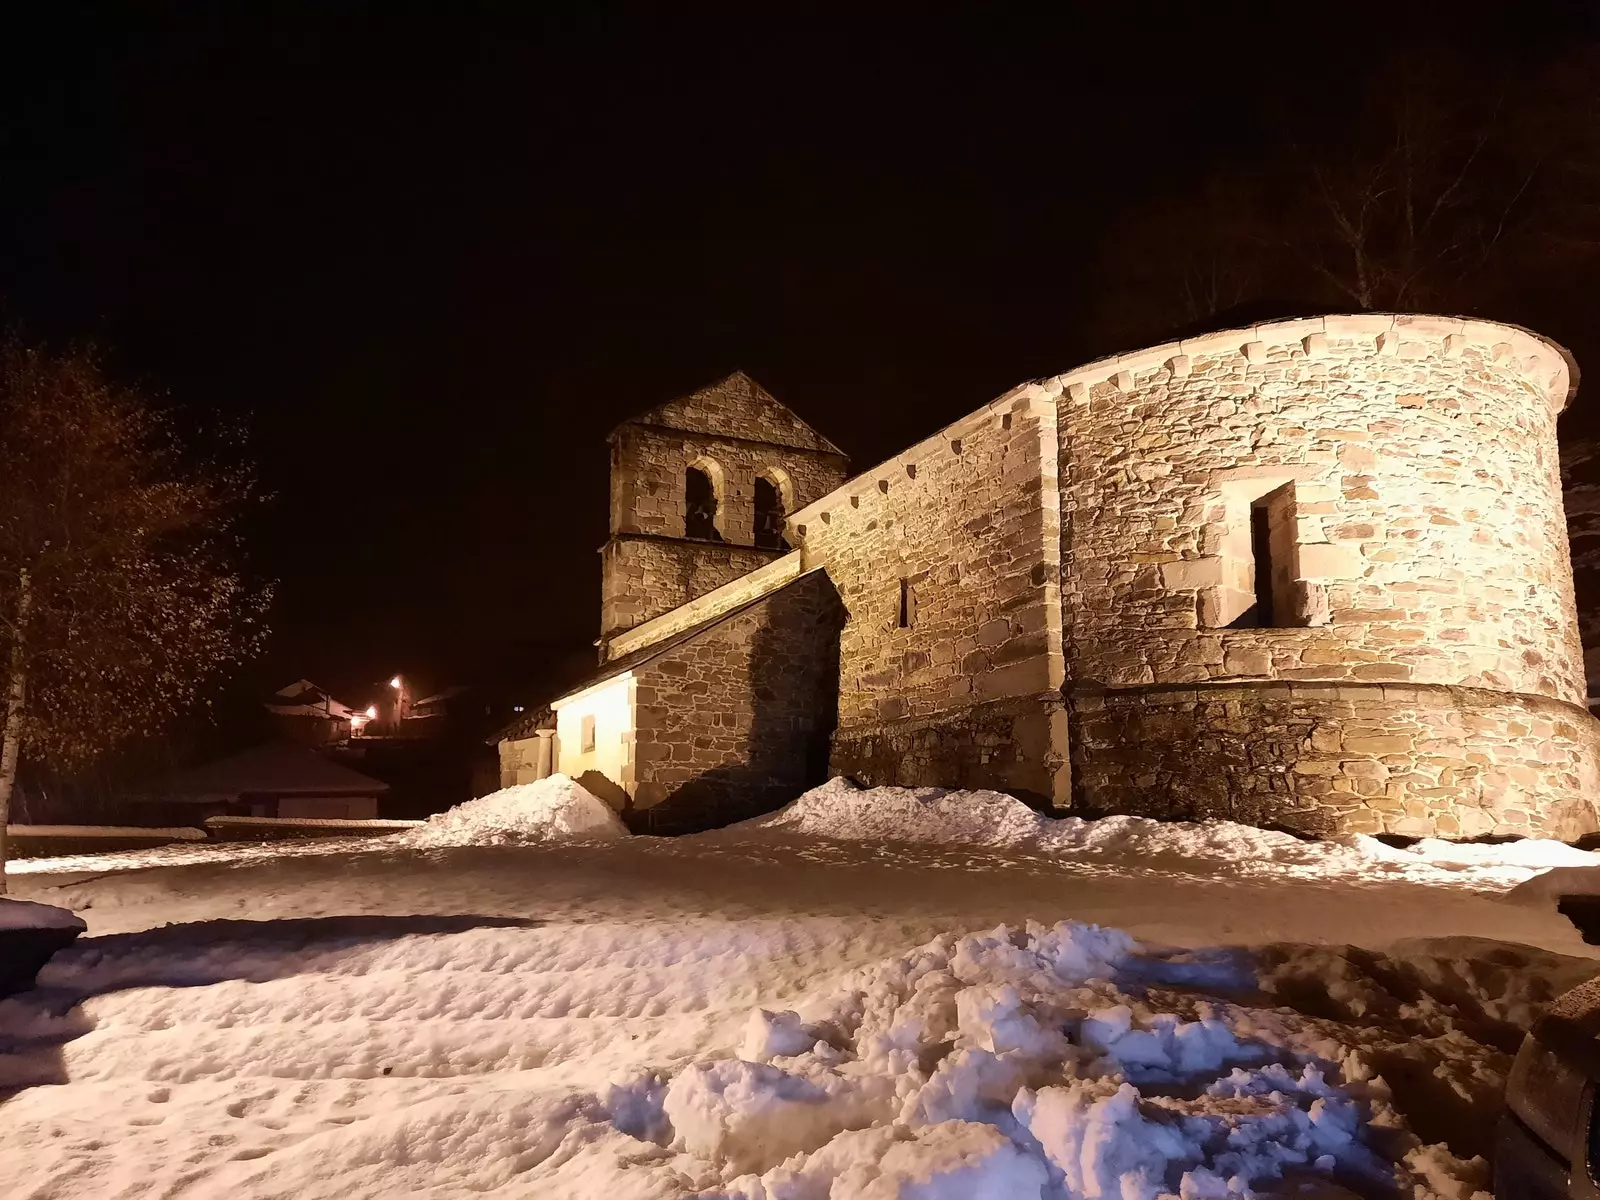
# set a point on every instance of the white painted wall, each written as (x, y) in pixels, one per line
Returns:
(610, 703)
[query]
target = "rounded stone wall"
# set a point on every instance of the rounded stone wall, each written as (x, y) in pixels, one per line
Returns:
(1345, 534)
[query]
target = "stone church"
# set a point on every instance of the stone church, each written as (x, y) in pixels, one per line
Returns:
(1312, 573)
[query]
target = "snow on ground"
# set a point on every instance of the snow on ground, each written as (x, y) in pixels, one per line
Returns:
(770, 1014)
(553, 809)
(839, 810)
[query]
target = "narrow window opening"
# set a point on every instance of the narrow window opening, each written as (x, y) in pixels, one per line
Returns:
(586, 736)
(700, 506)
(769, 515)
(908, 605)
(1267, 577)
(1261, 552)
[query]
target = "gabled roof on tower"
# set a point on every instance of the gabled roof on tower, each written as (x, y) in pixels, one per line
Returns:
(737, 406)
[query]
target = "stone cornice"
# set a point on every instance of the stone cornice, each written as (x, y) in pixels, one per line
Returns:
(1389, 691)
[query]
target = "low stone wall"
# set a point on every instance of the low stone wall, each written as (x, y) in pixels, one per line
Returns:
(1004, 745)
(1339, 758)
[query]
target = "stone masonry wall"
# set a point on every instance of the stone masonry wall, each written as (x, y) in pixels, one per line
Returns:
(735, 722)
(643, 577)
(649, 568)
(1352, 758)
(648, 468)
(708, 605)
(1409, 470)
(1431, 543)
(967, 524)
(1006, 745)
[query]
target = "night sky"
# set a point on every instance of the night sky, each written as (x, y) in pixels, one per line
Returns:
(433, 256)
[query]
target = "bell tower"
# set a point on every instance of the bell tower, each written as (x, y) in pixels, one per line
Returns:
(700, 487)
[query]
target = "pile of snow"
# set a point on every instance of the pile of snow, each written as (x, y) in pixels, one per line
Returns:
(26, 914)
(841, 811)
(1013, 1062)
(552, 810)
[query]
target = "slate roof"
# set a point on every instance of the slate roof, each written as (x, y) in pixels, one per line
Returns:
(271, 769)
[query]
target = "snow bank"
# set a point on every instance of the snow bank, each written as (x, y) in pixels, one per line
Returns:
(551, 810)
(26, 914)
(841, 811)
(1013, 1062)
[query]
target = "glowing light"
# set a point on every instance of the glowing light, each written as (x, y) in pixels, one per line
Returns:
(372, 712)
(516, 708)
(395, 682)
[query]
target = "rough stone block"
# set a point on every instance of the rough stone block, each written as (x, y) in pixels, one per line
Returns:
(1329, 560)
(1247, 661)
(1192, 573)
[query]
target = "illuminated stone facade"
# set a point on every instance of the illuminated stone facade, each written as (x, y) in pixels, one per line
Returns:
(1423, 672)
(735, 434)
(1312, 573)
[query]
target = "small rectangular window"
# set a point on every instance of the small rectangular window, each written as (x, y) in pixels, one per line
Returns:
(908, 604)
(586, 736)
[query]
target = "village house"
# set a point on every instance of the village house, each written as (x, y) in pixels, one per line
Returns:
(1311, 573)
(275, 779)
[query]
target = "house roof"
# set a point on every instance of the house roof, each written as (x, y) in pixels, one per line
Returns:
(302, 698)
(442, 697)
(271, 769)
(654, 650)
(523, 725)
(739, 407)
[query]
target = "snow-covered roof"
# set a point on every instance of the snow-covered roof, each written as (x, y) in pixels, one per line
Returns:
(454, 691)
(271, 769)
(302, 698)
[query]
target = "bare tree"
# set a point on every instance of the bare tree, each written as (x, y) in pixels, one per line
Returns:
(118, 600)
(1451, 187)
